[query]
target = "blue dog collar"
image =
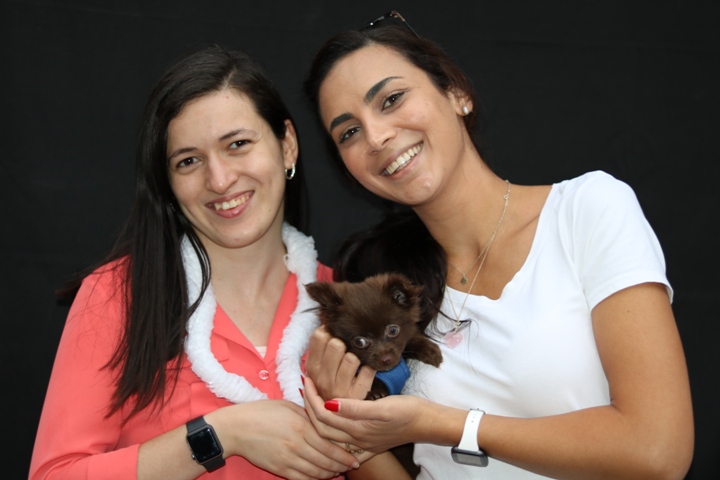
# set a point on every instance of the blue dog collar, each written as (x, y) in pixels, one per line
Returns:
(395, 378)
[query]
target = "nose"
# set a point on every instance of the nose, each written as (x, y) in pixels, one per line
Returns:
(220, 174)
(378, 133)
(386, 360)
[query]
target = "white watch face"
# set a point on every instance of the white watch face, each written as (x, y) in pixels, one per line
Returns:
(467, 457)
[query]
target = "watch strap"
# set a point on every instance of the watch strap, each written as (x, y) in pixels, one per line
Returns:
(469, 437)
(196, 423)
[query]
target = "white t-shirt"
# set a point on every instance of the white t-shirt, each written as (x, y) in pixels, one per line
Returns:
(532, 353)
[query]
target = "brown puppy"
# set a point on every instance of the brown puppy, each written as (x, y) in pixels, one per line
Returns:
(377, 320)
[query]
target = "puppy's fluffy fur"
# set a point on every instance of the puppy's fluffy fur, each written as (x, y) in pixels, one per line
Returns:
(377, 320)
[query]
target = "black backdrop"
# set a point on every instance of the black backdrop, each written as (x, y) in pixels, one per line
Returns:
(629, 87)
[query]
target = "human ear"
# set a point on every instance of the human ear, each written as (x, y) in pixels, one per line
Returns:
(462, 104)
(289, 145)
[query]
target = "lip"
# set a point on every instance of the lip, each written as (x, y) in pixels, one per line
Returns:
(402, 159)
(222, 206)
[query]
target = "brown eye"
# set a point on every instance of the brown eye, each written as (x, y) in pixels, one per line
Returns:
(392, 331)
(186, 162)
(391, 99)
(348, 133)
(360, 342)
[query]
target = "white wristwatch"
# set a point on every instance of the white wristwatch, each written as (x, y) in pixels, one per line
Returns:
(468, 451)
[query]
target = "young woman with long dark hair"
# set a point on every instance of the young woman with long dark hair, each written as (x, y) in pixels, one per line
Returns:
(182, 355)
(561, 353)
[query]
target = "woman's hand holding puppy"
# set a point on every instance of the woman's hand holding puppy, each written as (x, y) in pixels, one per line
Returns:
(335, 372)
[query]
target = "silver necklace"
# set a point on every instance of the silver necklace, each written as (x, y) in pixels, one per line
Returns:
(454, 337)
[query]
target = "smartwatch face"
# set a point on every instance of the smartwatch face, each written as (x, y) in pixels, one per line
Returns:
(204, 445)
(467, 457)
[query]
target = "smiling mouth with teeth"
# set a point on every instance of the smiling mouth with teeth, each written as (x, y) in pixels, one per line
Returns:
(231, 204)
(402, 160)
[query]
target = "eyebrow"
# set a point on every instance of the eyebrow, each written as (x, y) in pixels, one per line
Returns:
(371, 93)
(376, 88)
(233, 133)
(180, 151)
(224, 137)
(339, 119)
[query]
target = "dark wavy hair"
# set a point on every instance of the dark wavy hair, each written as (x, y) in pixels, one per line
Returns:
(401, 242)
(149, 353)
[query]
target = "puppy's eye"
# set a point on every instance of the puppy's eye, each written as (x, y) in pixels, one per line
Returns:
(360, 342)
(392, 331)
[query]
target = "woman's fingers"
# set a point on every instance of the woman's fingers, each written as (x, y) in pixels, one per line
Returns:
(313, 405)
(362, 383)
(327, 362)
(335, 372)
(331, 450)
(373, 425)
(316, 348)
(279, 438)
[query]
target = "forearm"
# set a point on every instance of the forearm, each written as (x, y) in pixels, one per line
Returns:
(601, 442)
(168, 456)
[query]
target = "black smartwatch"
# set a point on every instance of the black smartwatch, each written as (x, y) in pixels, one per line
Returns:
(204, 444)
(468, 452)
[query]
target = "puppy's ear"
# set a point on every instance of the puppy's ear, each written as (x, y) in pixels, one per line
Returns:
(401, 290)
(325, 294)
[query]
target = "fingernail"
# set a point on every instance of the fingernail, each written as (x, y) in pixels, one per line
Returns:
(302, 394)
(332, 405)
(302, 379)
(356, 465)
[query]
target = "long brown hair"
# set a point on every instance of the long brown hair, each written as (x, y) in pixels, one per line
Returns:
(154, 292)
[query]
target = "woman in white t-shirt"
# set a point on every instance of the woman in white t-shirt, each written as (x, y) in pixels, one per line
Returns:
(561, 353)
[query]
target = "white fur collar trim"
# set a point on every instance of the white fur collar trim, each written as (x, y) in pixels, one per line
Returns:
(301, 260)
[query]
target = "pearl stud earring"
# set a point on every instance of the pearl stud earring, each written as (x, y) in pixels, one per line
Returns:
(465, 110)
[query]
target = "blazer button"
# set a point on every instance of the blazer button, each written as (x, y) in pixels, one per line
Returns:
(264, 374)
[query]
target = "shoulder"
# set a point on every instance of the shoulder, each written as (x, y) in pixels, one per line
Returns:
(604, 231)
(593, 196)
(97, 316)
(594, 186)
(107, 279)
(102, 295)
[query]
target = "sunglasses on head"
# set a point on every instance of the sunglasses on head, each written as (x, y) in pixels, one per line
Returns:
(391, 18)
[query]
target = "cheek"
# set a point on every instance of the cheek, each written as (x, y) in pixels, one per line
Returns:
(182, 189)
(357, 172)
(353, 161)
(352, 158)
(358, 166)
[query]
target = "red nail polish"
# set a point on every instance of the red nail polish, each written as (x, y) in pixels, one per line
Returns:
(302, 394)
(302, 379)
(332, 405)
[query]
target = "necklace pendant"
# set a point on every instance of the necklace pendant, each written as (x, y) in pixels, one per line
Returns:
(453, 338)
(463, 280)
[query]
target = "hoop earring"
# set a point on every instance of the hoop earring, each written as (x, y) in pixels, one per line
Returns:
(290, 173)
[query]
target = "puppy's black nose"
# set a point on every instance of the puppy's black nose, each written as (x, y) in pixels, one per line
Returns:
(386, 360)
